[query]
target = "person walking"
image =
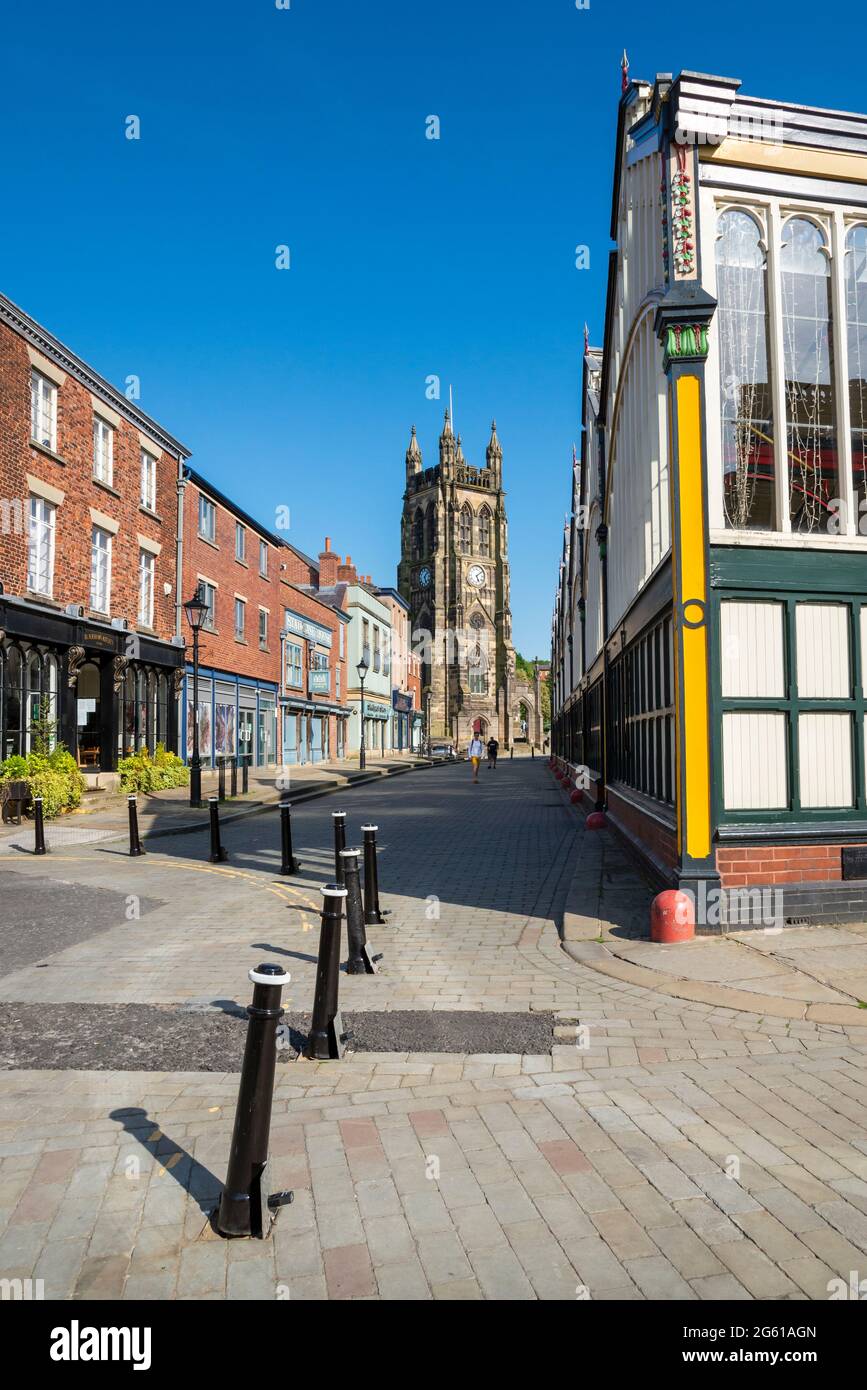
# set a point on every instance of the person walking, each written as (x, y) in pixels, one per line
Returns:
(493, 750)
(474, 753)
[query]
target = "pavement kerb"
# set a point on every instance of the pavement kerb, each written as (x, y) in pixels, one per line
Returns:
(258, 808)
(581, 930)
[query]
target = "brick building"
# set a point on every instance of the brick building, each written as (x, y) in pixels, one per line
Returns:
(313, 715)
(89, 619)
(233, 561)
(272, 652)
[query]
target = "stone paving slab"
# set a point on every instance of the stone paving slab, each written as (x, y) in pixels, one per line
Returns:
(431, 1178)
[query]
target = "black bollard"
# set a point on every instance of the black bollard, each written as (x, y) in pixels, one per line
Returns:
(327, 1037)
(511, 752)
(234, 782)
(245, 777)
(373, 917)
(533, 751)
(289, 864)
(247, 1206)
(135, 845)
(359, 961)
(38, 827)
(221, 779)
(339, 819)
(218, 854)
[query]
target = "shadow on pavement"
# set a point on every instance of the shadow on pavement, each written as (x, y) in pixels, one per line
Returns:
(193, 1177)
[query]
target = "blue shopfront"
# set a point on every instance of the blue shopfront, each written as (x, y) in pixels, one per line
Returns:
(402, 718)
(312, 723)
(237, 717)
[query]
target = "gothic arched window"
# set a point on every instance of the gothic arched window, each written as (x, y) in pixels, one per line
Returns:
(856, 326)
(808, 357)
(465, 529)
(418, 533)
(745, 407)
(485, 531)
(431, 528)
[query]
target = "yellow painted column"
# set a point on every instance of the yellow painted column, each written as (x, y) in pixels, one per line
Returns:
(685, 348)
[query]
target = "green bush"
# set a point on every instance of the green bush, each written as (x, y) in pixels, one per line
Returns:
(54, 776)
(142, 773)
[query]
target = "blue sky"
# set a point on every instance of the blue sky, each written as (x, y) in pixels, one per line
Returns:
(409, 257)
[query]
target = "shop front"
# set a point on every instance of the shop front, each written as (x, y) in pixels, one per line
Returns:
(237, 718)
(401, 736)
(101, 690)
(312, 732)
(377, 717)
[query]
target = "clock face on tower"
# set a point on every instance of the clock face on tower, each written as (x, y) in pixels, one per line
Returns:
(424, 577)
(476, 576)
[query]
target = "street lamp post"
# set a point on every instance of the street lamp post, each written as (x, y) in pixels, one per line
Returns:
(362, 668)
(196, 610)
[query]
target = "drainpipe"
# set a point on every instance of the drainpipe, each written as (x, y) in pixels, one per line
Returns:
(602, 539)
(179, 553)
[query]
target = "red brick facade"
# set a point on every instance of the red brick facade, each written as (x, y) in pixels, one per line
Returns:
(216, 563)
(89, 647)
(69, 471)
(746, 865)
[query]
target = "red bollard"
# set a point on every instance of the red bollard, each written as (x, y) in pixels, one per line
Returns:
(595, 821)
(575, 797)
(672, 916)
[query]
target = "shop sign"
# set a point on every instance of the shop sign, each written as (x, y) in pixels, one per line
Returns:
(402, 701)
(95, 637)
(374, 711)
(295, 624)
(318, 682)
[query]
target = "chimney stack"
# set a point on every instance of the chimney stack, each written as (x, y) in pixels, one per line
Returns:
(346, 571)
(329, 564)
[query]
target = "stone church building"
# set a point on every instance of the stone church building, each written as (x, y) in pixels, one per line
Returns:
(454, 573)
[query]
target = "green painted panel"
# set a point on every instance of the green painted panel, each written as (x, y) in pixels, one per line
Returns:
(783, 570)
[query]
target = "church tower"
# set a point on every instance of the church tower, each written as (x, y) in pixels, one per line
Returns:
(454, 573)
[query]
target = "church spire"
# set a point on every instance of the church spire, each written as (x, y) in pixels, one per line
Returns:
(413, 452)
(413, 455)
(624, 72)
(493, 448)
(447, 441)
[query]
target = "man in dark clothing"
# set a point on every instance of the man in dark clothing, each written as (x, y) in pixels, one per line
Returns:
(493, 749)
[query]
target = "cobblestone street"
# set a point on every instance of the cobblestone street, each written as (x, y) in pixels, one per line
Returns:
(647, 1147)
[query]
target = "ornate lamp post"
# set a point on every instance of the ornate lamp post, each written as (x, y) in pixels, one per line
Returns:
(362, 668)
(197, 611)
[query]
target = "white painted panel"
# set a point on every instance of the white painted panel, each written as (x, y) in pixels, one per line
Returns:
(754, 760)
(751, 649)
(822, 634)
(825, 757)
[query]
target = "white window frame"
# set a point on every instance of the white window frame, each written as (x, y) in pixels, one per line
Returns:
(100, 569)
(43, 410)
(208, 592)
(263, 628)
(148, 481)
(207, 510)
(146, 585)
(240, 611)
(773, 211)
(40, 549)
(103, 450)
(293, 662)
(263, 559)
(240, 542)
